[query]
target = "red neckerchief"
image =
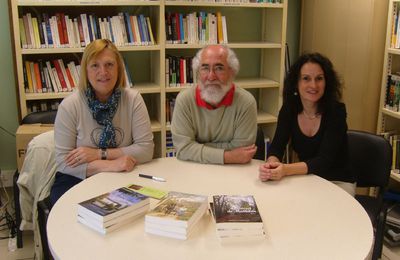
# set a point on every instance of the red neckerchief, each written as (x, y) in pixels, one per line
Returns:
(226, 101)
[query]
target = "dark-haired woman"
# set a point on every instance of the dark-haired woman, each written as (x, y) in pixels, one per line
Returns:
(313, 119)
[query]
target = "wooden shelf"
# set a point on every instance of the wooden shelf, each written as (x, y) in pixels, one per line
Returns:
(391, 113)
(261, 52)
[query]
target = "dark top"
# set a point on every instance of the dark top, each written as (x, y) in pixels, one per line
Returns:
(325, 153)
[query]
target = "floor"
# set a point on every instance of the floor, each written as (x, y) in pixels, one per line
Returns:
(27, 252)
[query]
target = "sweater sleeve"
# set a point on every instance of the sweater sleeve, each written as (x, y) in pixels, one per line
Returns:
(142, 146)
(65, 135)
(333, 141)
(183, 134)
(282, 134)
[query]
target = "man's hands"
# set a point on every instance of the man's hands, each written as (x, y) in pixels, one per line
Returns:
(240, 155)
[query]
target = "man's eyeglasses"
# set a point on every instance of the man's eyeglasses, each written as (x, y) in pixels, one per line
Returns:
(218, 70)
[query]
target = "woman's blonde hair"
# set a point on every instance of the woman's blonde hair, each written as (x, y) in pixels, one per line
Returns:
(91, 52)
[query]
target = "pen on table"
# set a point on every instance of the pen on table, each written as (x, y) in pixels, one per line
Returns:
(151, 177)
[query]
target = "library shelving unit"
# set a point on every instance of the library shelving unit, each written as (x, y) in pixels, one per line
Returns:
(389, 113)
(256, 31)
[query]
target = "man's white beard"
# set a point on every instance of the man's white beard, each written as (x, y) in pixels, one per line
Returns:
(213, 93)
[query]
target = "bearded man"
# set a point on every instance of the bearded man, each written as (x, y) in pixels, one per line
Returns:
(215, 121)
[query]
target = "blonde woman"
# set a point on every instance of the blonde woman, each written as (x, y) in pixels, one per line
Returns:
(103, 126)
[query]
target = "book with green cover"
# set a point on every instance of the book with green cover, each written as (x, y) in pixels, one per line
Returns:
(178, 209)
(148, 191)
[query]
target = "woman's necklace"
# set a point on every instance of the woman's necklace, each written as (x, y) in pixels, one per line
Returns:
(311, 117)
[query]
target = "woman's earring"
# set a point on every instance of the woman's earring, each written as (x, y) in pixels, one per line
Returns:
(295, 93)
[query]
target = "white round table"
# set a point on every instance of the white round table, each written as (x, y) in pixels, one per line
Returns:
(305, 217)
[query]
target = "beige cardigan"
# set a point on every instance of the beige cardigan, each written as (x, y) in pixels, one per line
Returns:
(35, 181)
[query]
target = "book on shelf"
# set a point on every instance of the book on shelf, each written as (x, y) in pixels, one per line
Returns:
(393, 215)
(176, 215)
(148, 191)
(112, 204)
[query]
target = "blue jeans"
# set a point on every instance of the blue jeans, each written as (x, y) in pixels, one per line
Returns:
(62, 183)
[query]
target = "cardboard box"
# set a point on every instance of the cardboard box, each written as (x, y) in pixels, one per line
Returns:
(24, 135)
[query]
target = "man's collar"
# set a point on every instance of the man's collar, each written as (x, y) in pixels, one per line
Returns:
(226, 101)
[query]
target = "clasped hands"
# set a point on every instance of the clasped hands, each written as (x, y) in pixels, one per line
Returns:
(271, 171)
(83, 155)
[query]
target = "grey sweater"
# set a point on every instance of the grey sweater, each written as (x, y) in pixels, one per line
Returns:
(202, 135)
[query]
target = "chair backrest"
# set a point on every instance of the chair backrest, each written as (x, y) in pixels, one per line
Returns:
(43, 117)
(370, 158)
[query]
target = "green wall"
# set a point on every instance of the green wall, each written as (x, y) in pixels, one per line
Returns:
(8, 96)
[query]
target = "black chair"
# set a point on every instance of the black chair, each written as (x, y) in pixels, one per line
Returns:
(43, 208)
(44, 117)
(370, 158)
(260, 143)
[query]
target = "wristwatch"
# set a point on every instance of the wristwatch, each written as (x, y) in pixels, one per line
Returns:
(103, 153)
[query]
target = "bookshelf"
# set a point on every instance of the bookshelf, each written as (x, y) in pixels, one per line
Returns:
(389, 113)
(256, 31)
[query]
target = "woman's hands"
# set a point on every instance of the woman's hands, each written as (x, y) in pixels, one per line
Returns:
(82, 155)
(271, 171)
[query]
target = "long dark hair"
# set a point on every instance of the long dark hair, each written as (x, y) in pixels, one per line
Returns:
(333, 86)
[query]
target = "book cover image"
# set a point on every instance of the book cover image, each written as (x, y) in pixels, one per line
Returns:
(113, 201)
(235, 208)
(178, 206)
(148, 191)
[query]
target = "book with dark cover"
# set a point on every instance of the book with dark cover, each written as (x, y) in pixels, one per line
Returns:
(233, 211)
(112, 204)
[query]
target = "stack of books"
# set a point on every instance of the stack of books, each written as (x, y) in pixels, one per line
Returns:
(392, 228)
(112, 210)
(237, 218)
(176, 215)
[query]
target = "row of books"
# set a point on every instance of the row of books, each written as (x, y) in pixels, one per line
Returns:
(169, 108)
(42, 105)
(176, 214)
(193, 28)
(125, 1)
(392, 228)
(50, 76)
(178, 71)
(54, 76)
(170, 148)
(395, 38)
(61, 30)
(392, 101)
(394, 140)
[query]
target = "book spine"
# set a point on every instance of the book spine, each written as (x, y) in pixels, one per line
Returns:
(22, 33)
(60, 75)
(37, 77)
(42, 77)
